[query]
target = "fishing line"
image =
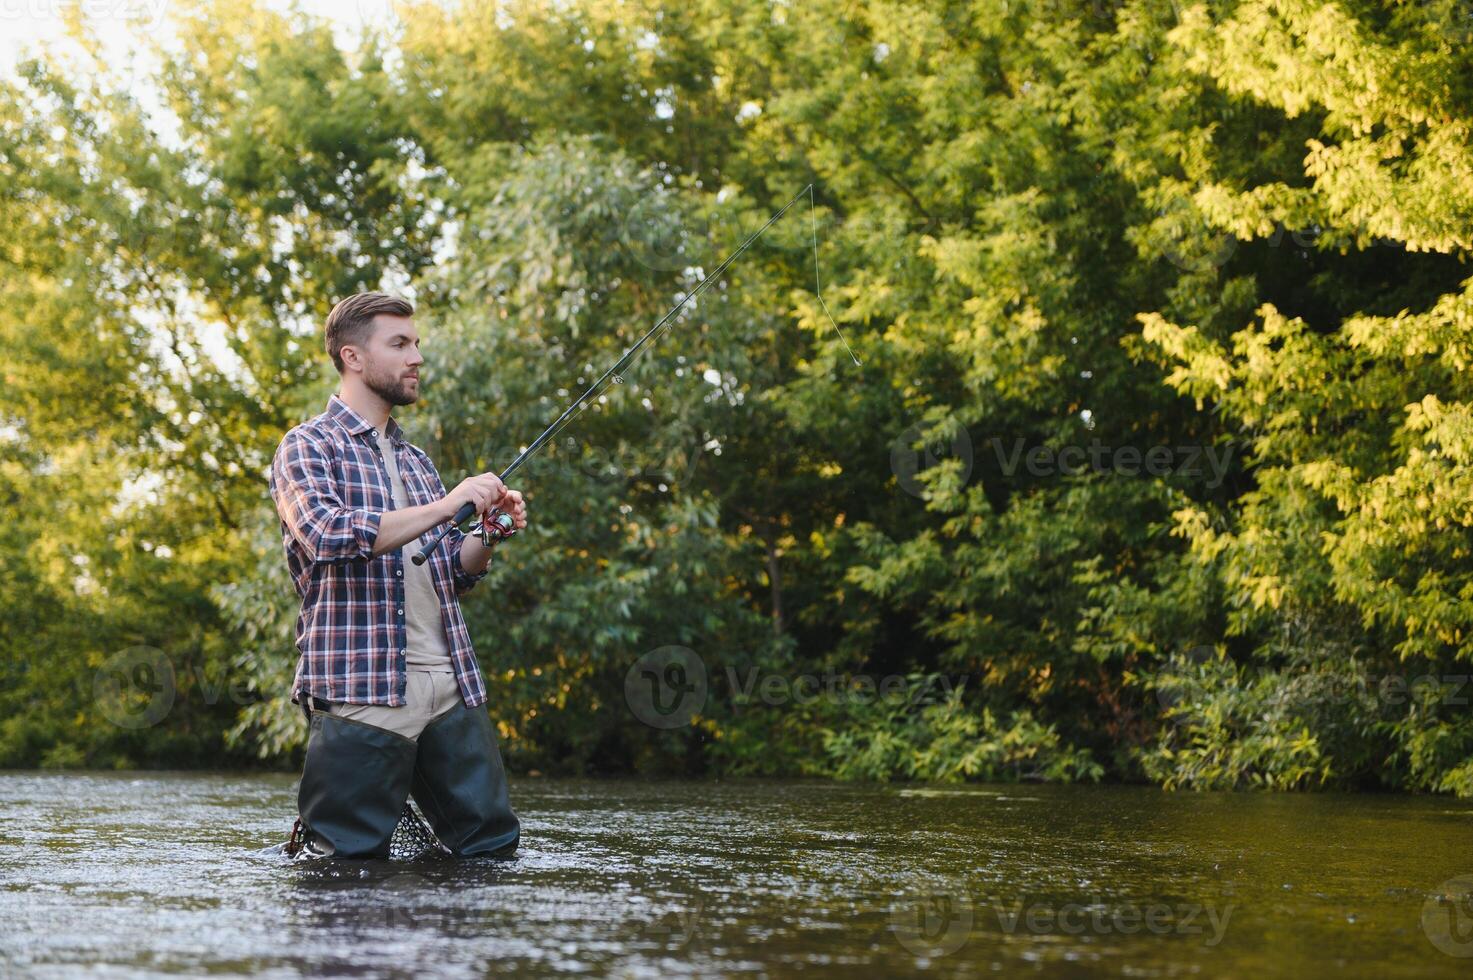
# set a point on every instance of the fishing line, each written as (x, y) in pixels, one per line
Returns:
(501, 525)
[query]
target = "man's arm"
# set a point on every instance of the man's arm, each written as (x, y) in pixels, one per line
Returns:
(474, 557)
(399, 527)
(307, 500)
(308, 503)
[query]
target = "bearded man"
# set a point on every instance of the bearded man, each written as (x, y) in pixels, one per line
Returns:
(387, 676)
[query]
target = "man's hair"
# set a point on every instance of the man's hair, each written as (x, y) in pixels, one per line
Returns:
(351, 321)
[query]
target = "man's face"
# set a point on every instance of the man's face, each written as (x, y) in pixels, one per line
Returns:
(391, 360)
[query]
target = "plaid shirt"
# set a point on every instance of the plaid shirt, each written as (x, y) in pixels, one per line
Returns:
(331, 489)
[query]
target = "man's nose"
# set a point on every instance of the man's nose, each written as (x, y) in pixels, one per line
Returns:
(416, 358)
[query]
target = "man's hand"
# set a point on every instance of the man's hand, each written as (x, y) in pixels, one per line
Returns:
(514, 505)
(475, 554)
(483, 492)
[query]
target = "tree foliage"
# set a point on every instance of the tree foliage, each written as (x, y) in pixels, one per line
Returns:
(1213, 254)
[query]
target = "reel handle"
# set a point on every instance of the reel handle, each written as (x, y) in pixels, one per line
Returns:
(495, 527)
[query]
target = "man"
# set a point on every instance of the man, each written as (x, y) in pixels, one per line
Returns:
(387, 675)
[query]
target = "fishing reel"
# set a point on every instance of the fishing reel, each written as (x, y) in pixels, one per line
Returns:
(494, 527)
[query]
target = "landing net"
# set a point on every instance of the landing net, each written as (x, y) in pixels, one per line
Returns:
(413, 840)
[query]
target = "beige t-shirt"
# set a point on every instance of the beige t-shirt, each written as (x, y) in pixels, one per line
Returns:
(425, 645)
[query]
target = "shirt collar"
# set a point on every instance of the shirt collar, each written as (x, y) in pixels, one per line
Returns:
(355, 423)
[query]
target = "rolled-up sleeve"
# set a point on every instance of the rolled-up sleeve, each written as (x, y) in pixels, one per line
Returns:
(454, 540)
(308, 503)
(464, 581)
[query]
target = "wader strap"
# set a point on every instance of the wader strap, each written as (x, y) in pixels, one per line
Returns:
(310, 704)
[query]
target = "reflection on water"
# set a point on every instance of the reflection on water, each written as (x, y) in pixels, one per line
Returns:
(140, 874)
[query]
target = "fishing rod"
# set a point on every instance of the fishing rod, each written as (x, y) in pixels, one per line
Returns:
(501, 525)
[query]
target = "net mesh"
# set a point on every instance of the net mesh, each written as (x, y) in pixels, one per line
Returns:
(412, 840)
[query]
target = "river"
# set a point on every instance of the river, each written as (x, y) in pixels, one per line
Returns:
(146, 874)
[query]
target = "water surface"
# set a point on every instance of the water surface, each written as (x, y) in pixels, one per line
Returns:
(142, 874)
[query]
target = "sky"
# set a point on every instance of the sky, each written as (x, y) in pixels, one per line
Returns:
(121, 24)
(25, 23)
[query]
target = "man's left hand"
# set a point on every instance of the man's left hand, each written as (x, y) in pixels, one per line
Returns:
(513, 504)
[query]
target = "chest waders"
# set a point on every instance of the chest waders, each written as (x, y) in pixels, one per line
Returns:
(357, 779)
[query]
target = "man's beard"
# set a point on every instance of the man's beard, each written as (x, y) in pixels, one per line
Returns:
(395, 390)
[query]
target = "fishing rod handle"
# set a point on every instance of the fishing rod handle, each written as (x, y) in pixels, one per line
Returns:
(466, 510)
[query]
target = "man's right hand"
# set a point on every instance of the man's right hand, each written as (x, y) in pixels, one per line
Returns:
(483, 492)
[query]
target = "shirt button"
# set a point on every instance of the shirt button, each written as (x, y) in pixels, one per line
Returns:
(401, 612)
(398, 571)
